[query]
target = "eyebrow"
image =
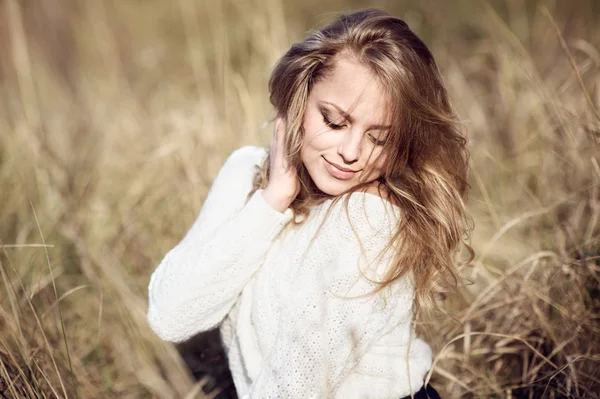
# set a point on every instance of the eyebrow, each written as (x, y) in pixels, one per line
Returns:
(350, 119)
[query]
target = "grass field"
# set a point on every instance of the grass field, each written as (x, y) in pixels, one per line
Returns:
(115, 116)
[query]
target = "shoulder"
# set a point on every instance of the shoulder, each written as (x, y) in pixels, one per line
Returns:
(246, 156)
(234, 180)
(240, 164)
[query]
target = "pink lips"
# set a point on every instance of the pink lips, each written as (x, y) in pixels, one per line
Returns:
(337, 171)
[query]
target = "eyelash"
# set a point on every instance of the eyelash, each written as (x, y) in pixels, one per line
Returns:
(339, 127)
(376, 141)
(331, 124)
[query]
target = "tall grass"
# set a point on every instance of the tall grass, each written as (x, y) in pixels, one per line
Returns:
(116, 115)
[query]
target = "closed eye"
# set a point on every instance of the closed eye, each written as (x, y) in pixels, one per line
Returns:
(330, 124)
(377, 141)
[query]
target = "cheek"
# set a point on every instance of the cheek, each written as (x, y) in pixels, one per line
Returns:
(381, 161)
(310, 139)
(313, 132)
(378, 165)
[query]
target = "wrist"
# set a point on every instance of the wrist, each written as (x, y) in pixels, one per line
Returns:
(277, 202)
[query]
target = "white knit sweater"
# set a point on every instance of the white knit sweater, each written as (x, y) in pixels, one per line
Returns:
(286, 300)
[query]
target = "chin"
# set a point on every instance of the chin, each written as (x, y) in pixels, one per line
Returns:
(331, 186)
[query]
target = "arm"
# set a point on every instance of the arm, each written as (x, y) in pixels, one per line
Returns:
(199, 280)
(326, 332)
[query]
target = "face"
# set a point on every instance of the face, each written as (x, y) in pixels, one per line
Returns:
(345, 128)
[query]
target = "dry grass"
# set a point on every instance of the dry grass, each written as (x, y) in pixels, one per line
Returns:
(116, 115)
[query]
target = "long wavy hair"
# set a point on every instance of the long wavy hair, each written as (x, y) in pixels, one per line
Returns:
(427, 164)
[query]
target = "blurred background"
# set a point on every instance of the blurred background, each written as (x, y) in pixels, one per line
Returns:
(115, 116)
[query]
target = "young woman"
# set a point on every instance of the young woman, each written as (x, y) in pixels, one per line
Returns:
(313, 257)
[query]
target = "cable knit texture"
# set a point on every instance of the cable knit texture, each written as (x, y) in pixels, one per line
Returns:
(294, 304)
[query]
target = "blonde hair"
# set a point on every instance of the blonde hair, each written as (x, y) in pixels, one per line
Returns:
(427, 163)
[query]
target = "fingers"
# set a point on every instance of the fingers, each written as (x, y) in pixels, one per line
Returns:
(280, 134)
(283, 185)
(278, 144)
(273, 146)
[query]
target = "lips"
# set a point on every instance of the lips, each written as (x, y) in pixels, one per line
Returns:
(338, 171)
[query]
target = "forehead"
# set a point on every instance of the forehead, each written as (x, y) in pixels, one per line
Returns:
(354, 88)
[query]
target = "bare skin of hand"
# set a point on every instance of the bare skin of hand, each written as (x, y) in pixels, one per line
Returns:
(283, 185)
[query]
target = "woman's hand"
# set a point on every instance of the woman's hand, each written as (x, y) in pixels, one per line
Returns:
(283, 185)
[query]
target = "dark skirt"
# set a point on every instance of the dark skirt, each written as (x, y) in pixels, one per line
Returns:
(205, 358)
(427, 392)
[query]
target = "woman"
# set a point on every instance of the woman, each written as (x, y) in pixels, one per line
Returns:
(312, 259)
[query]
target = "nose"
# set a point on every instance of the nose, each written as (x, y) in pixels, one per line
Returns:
(349, 147)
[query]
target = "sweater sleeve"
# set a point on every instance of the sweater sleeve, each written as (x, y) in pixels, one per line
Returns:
(198, 281)
(335, 337)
